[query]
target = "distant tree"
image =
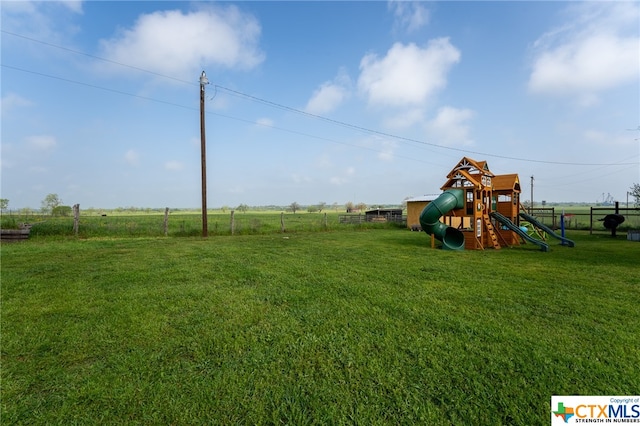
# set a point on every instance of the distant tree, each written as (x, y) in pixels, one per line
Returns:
(321, 206)
(294, 207)
(335, 206)
(242, 208)
(312, 209)
(61, 211)
(635, 192)
(361, 206)
(4, 204)
(349, 206)
(224, 209)
(50, 202)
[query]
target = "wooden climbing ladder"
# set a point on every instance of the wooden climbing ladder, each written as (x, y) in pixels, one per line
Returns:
(491, 231)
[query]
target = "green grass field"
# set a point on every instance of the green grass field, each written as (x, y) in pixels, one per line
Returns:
(350, 326)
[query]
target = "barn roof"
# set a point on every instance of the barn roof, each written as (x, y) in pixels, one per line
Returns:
(427, 197)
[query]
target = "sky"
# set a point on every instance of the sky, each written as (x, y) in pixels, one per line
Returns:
(365, 102)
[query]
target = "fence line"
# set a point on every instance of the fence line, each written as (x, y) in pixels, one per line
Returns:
(379, 218)
(178, 224)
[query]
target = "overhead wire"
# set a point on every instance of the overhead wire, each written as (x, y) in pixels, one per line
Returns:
(291, 109)
(120, 92)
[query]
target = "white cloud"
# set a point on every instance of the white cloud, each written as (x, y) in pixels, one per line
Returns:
(337, 180)
(343, 178)
(450, 127)
(173, 165)
(32, 7)
(38, 169)
(602, 139)
(19, 7)
(11, 101)
(296, 178)
(131, 157)
(326, 98)
(596, 50)
(41, 142)
(73, 5)
(180, 44)
(45, 20)
(330, 94)
(264, 122)
(405, 118)
(409, 16)
(387, 150)
(408, 74)
(323, 162)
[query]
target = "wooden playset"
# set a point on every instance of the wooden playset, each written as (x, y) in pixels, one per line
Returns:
(484, 193)
(478, 210)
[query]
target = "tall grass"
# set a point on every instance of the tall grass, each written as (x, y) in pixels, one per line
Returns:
(370, 327)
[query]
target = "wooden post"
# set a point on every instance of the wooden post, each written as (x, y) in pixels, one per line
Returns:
(613, 228)
(166, 221)
(531, 207)
(233, 223)
(76, 218)
(282, 222)
(325, 220)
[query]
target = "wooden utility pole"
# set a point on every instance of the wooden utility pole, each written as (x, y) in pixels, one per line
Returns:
(531, 207)
(203, 156)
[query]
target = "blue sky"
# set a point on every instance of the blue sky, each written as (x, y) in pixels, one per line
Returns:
(315, 101)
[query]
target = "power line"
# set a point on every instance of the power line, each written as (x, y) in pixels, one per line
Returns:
(93, 86)
(97, 57)
(291, 109)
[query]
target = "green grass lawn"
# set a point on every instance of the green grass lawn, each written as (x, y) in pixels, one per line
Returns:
(352, 327)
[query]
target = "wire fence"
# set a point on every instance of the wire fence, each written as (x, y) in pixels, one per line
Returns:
(590, 218)
(246, 223)
(180, 225)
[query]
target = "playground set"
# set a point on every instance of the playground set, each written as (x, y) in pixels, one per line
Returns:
(479, 210)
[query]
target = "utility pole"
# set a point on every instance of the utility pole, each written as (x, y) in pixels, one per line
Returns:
(531, 207)
(203, 156)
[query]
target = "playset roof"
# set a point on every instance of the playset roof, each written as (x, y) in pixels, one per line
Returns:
(471, 173)
(509, 182)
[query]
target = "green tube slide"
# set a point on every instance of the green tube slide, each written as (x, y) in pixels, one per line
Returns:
(451, 238)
